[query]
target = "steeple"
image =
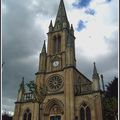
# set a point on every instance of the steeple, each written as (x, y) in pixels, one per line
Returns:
(44, 48)
(61, 15)
(61, 39)
(95, 74)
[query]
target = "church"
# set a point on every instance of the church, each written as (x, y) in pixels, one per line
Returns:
(70, 94)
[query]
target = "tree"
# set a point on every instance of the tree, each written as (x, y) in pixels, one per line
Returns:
(110, 100)
(38, 92)
(112, 88)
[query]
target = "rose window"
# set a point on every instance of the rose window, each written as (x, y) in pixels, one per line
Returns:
(55, 83)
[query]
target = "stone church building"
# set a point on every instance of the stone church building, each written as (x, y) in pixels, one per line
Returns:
(70, 94)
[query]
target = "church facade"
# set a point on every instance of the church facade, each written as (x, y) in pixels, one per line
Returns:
(70, 94)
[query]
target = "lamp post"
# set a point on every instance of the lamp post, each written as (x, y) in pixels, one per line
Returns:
(103, 87)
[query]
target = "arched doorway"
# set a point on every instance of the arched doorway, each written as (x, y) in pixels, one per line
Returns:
(53, 110)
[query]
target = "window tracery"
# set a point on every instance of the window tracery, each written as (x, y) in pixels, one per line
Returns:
(85, 113)
(55, 83)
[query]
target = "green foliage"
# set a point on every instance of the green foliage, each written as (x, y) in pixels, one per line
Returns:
(112, 88)
(38, 92)
(110, 101)
(110, 108)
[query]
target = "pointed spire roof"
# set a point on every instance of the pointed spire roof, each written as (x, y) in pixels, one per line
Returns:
(22, 85)
(94, 69)
(51, 25)
(95, 74)
(61, 15)
(44, 48)
(72, 27)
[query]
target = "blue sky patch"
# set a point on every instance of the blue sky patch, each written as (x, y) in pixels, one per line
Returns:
(81, 25)
(108, 0)
(81, 4)
(90, 11)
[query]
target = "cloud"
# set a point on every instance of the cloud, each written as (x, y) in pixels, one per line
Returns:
(81, 25)
(90, 11)
(22, 41)
(81, 4)
(7, 102)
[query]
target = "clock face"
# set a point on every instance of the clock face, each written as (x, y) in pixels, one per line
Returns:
(55, 63)
(55, 83)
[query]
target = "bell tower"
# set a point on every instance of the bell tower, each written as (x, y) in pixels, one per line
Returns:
(61, 42)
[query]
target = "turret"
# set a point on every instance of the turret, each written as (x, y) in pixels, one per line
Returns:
(42, 62)
(96, 79)
(21, 91)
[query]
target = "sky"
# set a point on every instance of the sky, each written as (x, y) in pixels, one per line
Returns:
(24, 27)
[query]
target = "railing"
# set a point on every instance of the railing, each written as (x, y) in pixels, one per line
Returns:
(28, 97)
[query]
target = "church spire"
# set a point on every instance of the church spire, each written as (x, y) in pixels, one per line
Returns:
(95, 74)
(44, 48)
(61, 15)
(95, 77)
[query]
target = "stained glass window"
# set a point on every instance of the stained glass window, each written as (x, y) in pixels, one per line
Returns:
(27, 115)
(55, 83)
(85, 113)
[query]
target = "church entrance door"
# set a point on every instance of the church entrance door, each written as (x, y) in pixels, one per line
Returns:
(56, 117)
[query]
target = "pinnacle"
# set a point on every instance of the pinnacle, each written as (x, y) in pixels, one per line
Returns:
(51, 25)
(44, 47)
(95, 74)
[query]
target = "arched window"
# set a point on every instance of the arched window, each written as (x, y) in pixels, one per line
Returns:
(85, 113)
(56, 44)
(88, 114)
(59, 43)
(27, 115)
(82, 114)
